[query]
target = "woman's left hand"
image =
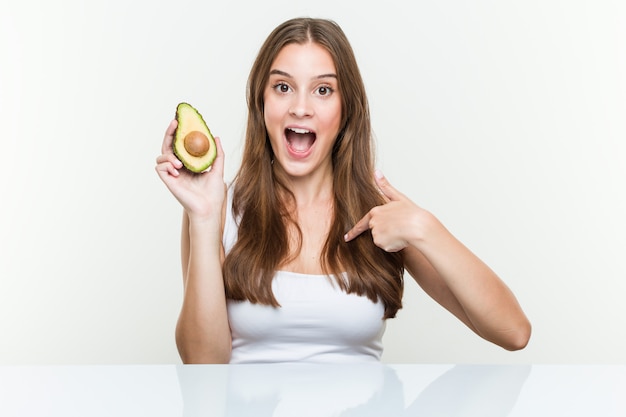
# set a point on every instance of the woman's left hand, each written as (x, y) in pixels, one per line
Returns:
(395, 224)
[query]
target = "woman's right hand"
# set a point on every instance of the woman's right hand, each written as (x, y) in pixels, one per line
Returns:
(201, 195)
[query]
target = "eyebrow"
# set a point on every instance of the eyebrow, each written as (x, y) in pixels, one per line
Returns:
(286, 74)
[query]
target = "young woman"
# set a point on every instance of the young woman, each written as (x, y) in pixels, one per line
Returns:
(302, 258)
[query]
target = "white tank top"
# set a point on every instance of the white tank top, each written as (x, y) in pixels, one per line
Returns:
(316, 320)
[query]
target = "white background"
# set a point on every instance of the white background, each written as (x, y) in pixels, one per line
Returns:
(506, 119)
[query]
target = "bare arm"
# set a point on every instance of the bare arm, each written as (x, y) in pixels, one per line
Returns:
(202, 331)
(449, 272)
(458, 280)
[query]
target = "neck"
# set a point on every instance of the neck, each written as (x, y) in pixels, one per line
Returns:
(312, 189)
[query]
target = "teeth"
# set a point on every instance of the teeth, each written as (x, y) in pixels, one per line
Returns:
(299, 131)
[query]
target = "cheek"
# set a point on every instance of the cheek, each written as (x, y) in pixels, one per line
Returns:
(271, 113)
(333, 117)
(272, 124)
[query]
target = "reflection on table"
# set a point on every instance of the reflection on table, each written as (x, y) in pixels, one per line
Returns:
(349, 390)
(313, 390)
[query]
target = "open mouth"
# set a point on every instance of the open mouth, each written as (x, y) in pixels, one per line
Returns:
(299, 140)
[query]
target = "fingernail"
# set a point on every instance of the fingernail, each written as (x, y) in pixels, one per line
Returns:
(378, 174)
(345, 237)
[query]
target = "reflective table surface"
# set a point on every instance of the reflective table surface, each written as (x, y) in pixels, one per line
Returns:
(300, 390)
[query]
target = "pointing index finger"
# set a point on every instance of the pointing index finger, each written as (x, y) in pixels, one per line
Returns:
(360, 227)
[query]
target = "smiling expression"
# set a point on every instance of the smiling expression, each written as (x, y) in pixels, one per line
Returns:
(302, 109)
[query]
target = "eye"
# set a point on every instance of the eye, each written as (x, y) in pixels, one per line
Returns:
(324, 90)
(281, 88)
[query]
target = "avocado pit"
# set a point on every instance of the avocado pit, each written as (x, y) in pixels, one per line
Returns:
(196, 143)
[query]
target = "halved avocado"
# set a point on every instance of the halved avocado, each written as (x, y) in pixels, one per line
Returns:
(193, 143)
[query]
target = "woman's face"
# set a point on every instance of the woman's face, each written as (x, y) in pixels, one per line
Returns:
(302, 109)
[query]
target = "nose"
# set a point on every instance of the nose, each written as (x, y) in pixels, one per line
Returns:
(301, 106)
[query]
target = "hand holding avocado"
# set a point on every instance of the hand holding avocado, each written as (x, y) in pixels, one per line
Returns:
(188, 151)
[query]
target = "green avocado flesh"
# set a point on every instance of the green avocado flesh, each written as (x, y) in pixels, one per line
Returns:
(193, 143)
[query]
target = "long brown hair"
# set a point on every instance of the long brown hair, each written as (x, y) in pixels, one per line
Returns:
(260, 194)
